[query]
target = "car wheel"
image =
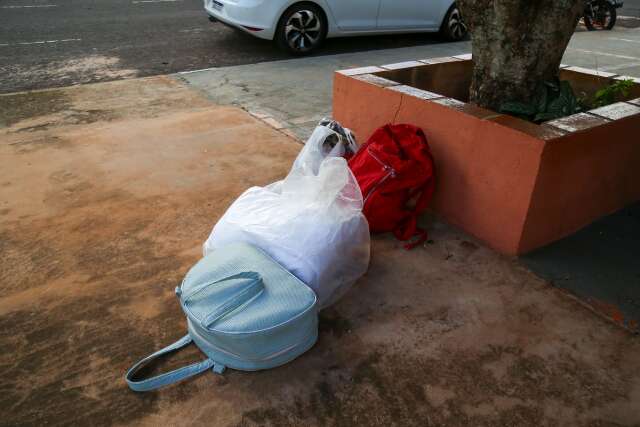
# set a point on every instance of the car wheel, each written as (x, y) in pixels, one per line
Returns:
(301, 29)
(453, 28)
(604, 19)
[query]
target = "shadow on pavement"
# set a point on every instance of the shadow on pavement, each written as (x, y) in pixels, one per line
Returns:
(600, 264)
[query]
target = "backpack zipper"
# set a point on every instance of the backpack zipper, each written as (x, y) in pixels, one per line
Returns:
(391, 173)
(255, 359)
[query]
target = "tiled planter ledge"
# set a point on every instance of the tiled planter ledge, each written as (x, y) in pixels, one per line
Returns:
(513, 184)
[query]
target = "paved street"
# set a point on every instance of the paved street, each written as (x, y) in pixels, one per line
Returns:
(575, 264)
(49, 43)
(106, 196)
(631, 8)
(297, 106)
(108, 191)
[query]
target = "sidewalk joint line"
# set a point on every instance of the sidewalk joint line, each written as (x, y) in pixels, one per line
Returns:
(30, 6)
(624, 40)
(594, 52)
(154, 1)
(40, 42)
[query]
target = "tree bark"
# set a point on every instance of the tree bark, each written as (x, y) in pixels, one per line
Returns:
(517, 44)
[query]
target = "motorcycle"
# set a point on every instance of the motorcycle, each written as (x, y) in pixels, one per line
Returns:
(601, 14)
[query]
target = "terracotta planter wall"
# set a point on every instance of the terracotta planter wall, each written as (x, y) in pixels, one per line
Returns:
(511, 183)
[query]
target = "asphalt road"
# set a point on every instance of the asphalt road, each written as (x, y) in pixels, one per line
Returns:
(631, 8)
(65, 42)
(50, 43)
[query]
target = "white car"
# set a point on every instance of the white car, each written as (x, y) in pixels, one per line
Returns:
(301, 26)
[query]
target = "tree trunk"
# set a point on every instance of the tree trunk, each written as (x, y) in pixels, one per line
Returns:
(517, 44)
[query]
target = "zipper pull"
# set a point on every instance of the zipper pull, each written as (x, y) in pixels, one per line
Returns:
(390, 170)
(218, 368)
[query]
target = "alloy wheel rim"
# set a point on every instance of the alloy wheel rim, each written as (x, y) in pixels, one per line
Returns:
(302, 30)
(457, 28)
(602, 17)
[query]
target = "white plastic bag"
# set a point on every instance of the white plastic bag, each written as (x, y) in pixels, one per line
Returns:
(324, 142)
(311, 222)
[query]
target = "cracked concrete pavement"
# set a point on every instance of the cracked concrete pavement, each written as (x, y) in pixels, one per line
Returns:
(106, 195)
(293, 95)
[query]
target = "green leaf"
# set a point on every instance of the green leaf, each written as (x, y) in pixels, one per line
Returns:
(553, 85)
(518, 108)
(552, 99)
(608, 94)
(542, 98)
(543, 117)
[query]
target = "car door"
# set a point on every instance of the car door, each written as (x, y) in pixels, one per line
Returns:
(353, 15)
(408, 14)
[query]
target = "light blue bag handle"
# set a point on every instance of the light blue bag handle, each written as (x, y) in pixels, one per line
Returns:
(249, 288)
(169, 377)
(252, 287)
(252, 276)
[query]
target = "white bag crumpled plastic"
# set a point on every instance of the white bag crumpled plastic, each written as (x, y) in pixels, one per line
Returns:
(311, 222)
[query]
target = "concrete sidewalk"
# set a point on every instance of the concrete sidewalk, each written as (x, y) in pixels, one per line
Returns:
(631, 9)
(107, 193)
(295, 94)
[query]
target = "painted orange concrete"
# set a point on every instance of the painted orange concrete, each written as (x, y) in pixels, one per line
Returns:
(475, 174)
(582, 177)
(513, 184)
(351, 96)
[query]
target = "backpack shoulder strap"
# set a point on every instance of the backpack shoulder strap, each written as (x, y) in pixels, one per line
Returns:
(409, 228)
(169, 377)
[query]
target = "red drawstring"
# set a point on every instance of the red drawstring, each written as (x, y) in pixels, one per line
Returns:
(422, 237)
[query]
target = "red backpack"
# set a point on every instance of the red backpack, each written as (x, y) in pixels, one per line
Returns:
(395, 171)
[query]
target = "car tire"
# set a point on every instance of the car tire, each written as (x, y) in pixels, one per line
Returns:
(453, 28)
(612, 15)
(301, 29)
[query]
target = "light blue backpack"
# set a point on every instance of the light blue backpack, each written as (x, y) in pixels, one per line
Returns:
(244, 311)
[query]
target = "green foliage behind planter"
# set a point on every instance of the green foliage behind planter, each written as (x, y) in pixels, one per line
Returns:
(556, 99)
(608, 95)
(552, 100)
